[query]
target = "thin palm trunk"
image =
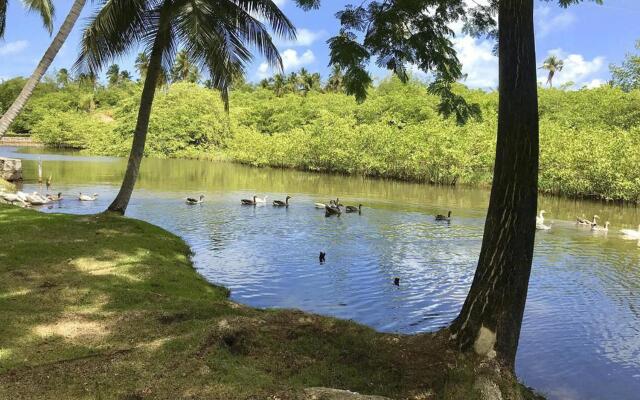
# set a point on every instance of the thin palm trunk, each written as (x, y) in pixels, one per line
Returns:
(491, 316)
(121, 201)
(42, 67)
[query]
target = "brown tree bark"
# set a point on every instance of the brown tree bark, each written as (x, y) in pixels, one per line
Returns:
(491, 316)
(121, 201)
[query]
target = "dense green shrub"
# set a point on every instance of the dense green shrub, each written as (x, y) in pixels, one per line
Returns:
(590, 138)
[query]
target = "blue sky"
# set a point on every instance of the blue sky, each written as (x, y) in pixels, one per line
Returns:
(587, 36)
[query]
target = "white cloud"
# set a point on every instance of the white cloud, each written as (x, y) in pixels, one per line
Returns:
(304, 37)
(577, 69)
(13, 47)
(595, 83)
(547, 23)
(478, 62)
(292, 60)
(263, 71)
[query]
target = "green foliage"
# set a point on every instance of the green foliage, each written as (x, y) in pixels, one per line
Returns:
(589, 138)
(627, 75)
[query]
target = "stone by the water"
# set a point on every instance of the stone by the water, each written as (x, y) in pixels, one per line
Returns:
(320, 393)
(10, 169)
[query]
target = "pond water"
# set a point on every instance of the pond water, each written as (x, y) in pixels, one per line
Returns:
(581, 332)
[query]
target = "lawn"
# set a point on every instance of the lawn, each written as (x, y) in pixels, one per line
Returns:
(106, 307)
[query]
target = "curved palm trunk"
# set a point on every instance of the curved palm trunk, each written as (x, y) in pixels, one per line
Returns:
(42, 67)
(491, 316)
(154, 70)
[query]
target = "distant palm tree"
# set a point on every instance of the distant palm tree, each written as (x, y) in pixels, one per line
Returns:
(125, 76)
(46, 11)
(334, 84)
(185, 70)
(552, 64)
(293, 84)
(142, 65)
(279, 84)
(62, 77)
(113, 74)
(216, 35)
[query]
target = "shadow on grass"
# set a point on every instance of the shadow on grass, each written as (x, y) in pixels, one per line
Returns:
(108, 307)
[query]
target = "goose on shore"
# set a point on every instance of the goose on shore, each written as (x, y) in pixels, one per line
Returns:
(86, 197)
(35, 199)
(280, 203)
(596, 228)
(354, 209)
(247, 202)
(192, 201)
(630, 234)
(540, 218)
(446, 218)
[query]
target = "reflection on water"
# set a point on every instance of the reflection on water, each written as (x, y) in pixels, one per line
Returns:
(581, 334)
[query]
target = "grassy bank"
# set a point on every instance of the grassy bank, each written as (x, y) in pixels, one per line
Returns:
(104, 307)
(590, 138)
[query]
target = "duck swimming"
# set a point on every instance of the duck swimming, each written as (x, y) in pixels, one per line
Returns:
(280, 203)
(353, 209)
(247, 202)
(441, 217)
(86, 197)
(191, 201)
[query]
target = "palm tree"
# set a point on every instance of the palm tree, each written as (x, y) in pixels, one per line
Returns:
(142, 65)
(43, 7)
(46, 11)
(113, 74)
(62, 77)
(215, 34)
(552, 64)
(184, 70)
(279, 84)
(334, 84)
(292, 82)
(125, 76)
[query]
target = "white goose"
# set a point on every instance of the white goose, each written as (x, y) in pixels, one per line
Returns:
(604, 229)
(86, 197)
(35, 199)
(540, 218)
(630, 234)
(262, 200)
(543, 227)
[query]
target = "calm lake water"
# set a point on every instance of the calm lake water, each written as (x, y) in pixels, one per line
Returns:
(581, 333)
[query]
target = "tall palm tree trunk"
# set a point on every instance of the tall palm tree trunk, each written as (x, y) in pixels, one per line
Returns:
(491, 316)
(42, 67)
(121, 201)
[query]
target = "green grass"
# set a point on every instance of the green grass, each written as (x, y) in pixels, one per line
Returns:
(105, 307)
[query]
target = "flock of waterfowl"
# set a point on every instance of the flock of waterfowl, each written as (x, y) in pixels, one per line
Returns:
(593, 225)
(333, 207)
(36, 199)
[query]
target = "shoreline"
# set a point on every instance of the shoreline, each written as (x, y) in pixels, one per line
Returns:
(117, 302)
